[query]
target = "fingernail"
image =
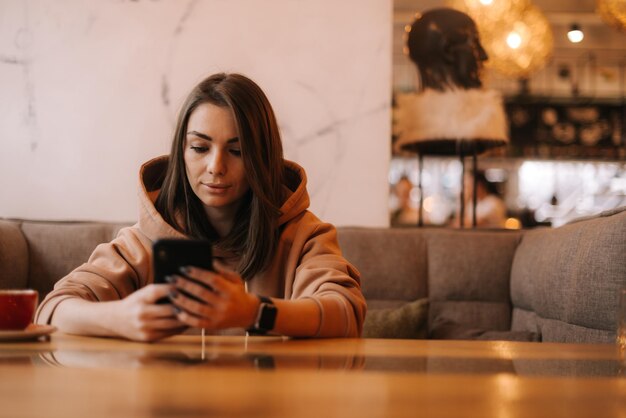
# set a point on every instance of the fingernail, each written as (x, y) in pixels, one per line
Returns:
(172, 294)
(184, 269)
(176, 310)
(170, 279)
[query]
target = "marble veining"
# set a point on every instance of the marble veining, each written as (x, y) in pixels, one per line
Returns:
(117, 71)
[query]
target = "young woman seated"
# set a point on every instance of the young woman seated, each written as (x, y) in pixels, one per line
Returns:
(278, 269)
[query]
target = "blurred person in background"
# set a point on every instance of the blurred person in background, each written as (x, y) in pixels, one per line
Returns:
(491, 210)
(405, 214)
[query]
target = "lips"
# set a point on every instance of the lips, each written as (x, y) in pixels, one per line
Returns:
(216, 188)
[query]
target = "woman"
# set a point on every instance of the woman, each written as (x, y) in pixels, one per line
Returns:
(490, 208)
(278, 268)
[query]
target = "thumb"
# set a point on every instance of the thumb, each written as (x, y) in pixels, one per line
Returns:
(153, 292)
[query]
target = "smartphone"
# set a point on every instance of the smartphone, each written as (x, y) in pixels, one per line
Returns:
(169, 255)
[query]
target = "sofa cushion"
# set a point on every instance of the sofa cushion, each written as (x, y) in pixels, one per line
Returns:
(56, 248)
(13, 256)
(571, 276)
(468, 276)
(446, 329)
(552, 330)
(392, 262)
(407, 321)
(485, 315)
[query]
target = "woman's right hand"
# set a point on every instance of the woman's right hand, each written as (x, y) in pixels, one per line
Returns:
(138, 316)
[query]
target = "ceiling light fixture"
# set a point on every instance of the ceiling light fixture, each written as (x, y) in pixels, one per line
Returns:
(514, 40)
(515, 33)
(575, 34)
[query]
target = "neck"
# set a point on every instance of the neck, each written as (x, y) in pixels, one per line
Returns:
(222, 218)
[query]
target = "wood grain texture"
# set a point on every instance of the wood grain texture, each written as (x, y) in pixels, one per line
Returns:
(273, 377)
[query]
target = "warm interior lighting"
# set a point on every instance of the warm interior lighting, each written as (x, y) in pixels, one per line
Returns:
(512, 223)
(429, 204)
(575, 34)
(513, 40)
(515, 33)
(486, 2)
(612, 12)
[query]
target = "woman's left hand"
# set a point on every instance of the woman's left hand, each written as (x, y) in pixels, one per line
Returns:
(220, 300)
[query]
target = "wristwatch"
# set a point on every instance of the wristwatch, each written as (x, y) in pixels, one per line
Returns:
(265, 317)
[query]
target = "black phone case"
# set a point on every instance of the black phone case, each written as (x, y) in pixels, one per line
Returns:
(169, 255)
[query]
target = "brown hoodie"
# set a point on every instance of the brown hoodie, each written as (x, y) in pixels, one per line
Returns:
(307, 263)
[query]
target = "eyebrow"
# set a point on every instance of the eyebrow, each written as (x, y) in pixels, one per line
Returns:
(208, 138)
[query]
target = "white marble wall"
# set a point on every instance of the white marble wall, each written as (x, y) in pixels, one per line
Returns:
(89, 90)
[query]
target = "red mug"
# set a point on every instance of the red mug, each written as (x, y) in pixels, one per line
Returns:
(17, 308)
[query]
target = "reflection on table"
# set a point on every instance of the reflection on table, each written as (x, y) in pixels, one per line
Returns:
(270, 376)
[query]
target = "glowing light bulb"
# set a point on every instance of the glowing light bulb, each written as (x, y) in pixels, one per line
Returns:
(575, 34)
(514, 40)
(512, 223)
(486, 2)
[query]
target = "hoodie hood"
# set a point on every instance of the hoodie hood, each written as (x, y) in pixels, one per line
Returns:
(296, 198)
(152, 173)
(151, 222)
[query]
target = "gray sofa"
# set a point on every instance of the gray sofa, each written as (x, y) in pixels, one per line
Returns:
(557, 285)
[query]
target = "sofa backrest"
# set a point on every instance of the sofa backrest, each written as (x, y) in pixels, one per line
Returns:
(13, 256)
(560, 283)
(565, 281)
(36, 254)
(464, 273)
(392, 263)
(468, 278)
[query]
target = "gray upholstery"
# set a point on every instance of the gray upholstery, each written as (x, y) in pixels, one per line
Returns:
(559, 285)
(50, 250)
(392, 260)
(468, 277)
(13, 257)
(563, 275)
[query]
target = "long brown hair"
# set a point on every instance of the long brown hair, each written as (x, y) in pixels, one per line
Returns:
(254, 236)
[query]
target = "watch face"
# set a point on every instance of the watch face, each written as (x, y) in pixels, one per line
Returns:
(268, 317)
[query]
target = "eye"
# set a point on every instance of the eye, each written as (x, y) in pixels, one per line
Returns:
(199, 150)
(235, 152)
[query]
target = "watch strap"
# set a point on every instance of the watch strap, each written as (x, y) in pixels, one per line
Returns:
(266, 317)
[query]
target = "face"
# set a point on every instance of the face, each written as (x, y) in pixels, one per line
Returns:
(213, 162)
(403, 190)
(470, 56)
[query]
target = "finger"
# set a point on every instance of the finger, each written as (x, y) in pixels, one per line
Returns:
(153, 292)
(220, 285)
(198, 291)
(223, 279)
(188, 304)
(226, 273)
(195, 321)
(197, 274)
(157, 311)
(206, 276)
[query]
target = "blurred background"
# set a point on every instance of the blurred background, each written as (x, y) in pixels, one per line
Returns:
(561, 68)
(90, 90)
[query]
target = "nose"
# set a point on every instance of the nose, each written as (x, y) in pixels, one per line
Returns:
(482, 54)
(217, 164)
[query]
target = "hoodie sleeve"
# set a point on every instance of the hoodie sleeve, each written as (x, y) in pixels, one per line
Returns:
(114, 270)
(331, 281)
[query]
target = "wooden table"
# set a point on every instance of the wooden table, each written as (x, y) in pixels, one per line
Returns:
(273, 377)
